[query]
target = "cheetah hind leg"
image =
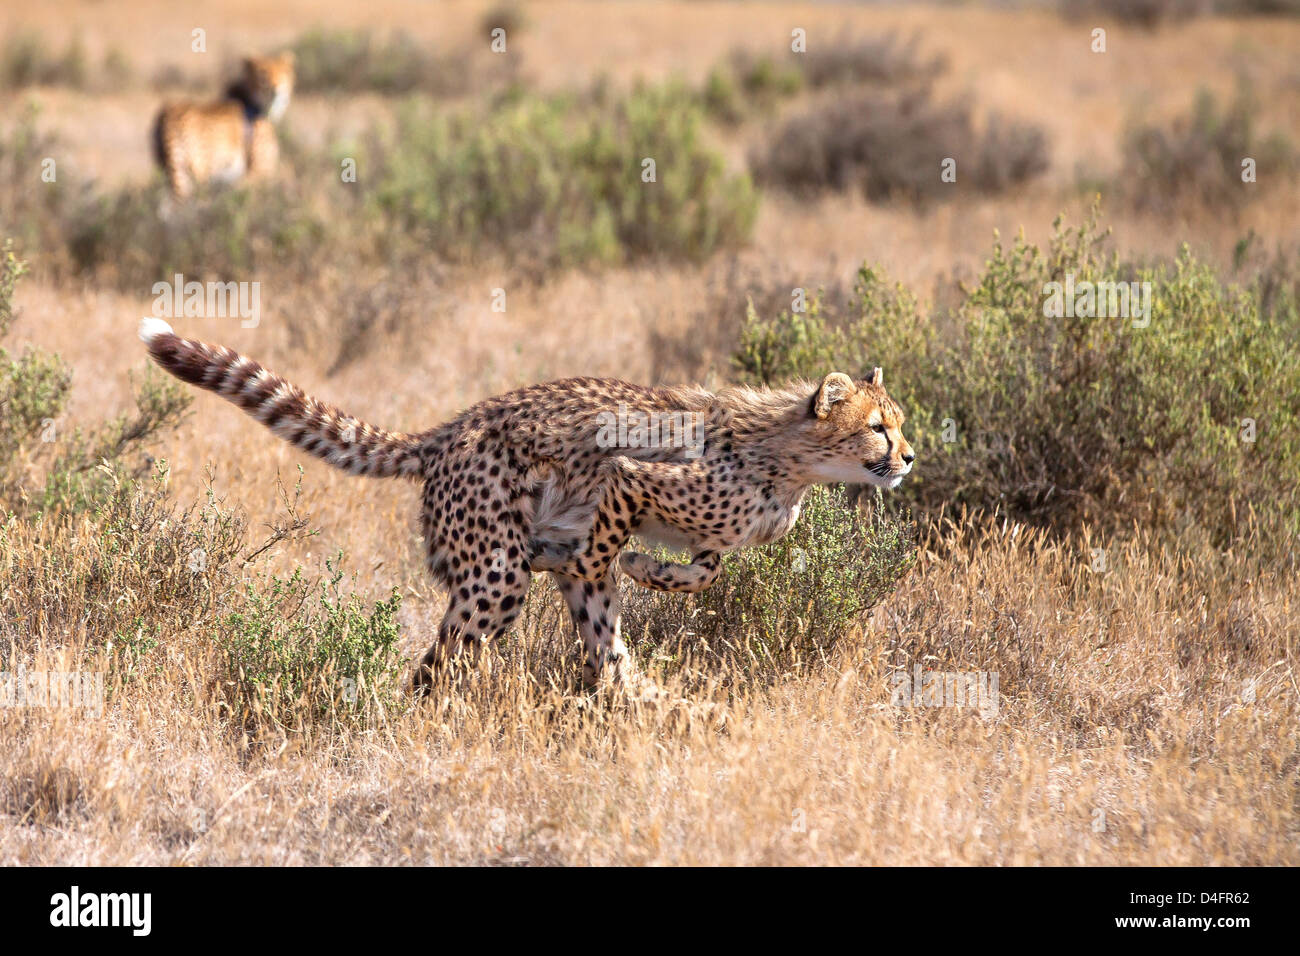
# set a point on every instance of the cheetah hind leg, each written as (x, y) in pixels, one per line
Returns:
(668, 576)
(483, 604)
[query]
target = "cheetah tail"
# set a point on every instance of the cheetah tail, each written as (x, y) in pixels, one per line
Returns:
(312, 425)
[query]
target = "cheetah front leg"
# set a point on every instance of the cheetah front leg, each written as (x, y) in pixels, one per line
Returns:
(595, 610)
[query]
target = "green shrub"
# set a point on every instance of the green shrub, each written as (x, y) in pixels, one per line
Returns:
(748, 84)
(548, 182)
(786, 604)
(289, 659)
(33, 389)
(135, 235)
(31, 209)
(1070, 420)
(33, 392)
(558, 180)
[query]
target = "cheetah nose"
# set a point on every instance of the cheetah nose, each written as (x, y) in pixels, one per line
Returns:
(909, 457)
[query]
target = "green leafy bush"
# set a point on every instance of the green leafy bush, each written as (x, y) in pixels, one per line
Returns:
(32, 209)
(33, 392)
(747, 84)
(289, 659)
(782, 605)
(560, 180)
(1191, 421)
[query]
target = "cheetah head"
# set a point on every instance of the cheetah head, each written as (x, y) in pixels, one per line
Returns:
(268, 82)
(857, 431)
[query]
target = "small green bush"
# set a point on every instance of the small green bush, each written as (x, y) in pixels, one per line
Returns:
(34, 388)
(748, 84)
(786, 604)
(31, 209)
(289, 659)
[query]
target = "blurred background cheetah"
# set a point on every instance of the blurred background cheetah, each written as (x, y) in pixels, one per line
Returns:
(230, 138)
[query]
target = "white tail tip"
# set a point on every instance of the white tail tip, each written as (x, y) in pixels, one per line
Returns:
(150, 329)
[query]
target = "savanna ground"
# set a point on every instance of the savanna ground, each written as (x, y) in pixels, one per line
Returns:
(1091, 518)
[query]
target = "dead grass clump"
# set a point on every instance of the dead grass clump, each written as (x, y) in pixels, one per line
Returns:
(880, 59)
(1199, 159)
(894, 145)
(27, 60)
(352, 61)
(748, 84)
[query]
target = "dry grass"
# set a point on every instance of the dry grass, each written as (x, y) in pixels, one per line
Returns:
(1122, 738)
(1121, 701)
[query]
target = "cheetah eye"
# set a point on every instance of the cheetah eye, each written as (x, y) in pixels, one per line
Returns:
(879, 429)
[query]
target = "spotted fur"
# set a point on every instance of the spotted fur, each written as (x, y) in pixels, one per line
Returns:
(233, 137)
(529, 481)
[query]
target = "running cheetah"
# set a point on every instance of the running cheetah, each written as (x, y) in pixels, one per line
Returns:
(225, 140)
(552, 478)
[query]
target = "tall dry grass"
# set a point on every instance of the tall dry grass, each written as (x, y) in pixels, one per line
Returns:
(1146, 715)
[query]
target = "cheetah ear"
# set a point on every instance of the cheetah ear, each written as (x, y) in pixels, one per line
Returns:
(875, 377)
(835, 387)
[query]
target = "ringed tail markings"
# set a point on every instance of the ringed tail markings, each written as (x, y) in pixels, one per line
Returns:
(316, 427)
